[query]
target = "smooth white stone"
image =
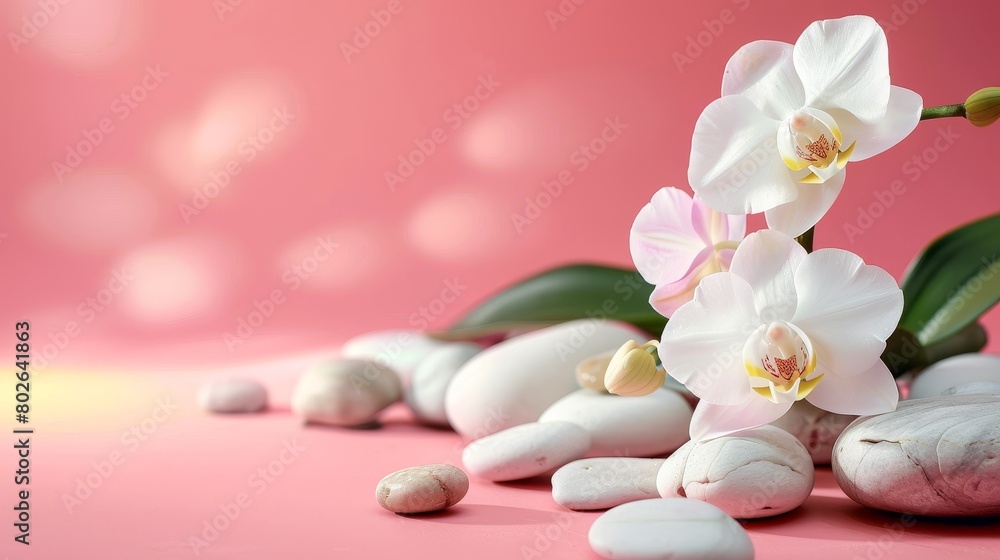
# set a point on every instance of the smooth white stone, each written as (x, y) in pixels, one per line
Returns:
(514, 381)
(815, 428)
(604, 482)
(977, 388)
(425, 396)
(233, 395)
(674, 528)
(938, 377)
(422, 489)
(345, 392)
(935, 456)
(526, 450)
(645, 426)
(755, 473)
(400, 350)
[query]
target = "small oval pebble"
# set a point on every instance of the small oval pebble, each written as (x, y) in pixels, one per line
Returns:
(674, 528)
(425, 396)
(233, 395)
(526, 450)
(422, 489)
(605, 482)
(755, 473)
(345, 392)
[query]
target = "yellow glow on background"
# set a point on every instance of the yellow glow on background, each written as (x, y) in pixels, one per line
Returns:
(83, 401)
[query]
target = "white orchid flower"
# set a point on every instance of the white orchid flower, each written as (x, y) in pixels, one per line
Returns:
(781, 326)
(676, 241)
(790, 119)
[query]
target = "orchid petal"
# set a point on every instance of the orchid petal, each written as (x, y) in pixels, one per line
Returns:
(667, 297)
(702, 345)
(847, 308)
(711, 420)
(735, 166)
(767, 261)
(844, 64)
(814, 201)
(764, 73)
(900, 120)
(663, 241)
(872, 392)
(716, 227)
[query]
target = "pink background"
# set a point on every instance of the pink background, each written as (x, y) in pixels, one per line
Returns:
(323, 174)
(66, 232)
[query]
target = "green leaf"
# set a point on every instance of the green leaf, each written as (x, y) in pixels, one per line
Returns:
(953, 281)
(562, 294)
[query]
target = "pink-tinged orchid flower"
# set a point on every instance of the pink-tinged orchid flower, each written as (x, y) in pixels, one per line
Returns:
(781, 326)
(676, 241)
(791, 117)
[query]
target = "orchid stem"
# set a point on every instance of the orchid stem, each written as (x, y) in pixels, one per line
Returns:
(806, 239)
(943, 111)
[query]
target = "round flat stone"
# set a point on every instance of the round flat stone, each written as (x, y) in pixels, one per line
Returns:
(422, 489)
(669, 528)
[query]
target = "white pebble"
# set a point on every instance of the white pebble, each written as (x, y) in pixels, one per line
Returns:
(345, 392)
(422, 489)
(400, 350)
(233, 395)
(674, 528)
(936, 378)
(644, 426)
(604, 482)
(526, 450)
(425, 396)
(755, 473)
(514, 381)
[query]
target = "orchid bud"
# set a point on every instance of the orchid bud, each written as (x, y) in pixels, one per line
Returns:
(983, 107)
(633, 372)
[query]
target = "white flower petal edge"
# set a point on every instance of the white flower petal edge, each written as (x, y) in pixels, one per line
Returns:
(702, 344)
(814, 201)
(901, 118)
(848, 309)
(764, 73)
(663, 240)
(711, 421)
(878, 394)
(735, 166)
(844, 64)
(767, 261)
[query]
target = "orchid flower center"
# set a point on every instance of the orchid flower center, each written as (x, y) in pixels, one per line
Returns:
(811, 139)
(779, 358)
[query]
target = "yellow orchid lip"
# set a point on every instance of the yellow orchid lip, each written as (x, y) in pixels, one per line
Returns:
(781, 355)
(810, 139)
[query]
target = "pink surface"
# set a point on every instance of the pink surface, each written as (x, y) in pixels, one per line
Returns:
(320, 503)
(322, 171)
